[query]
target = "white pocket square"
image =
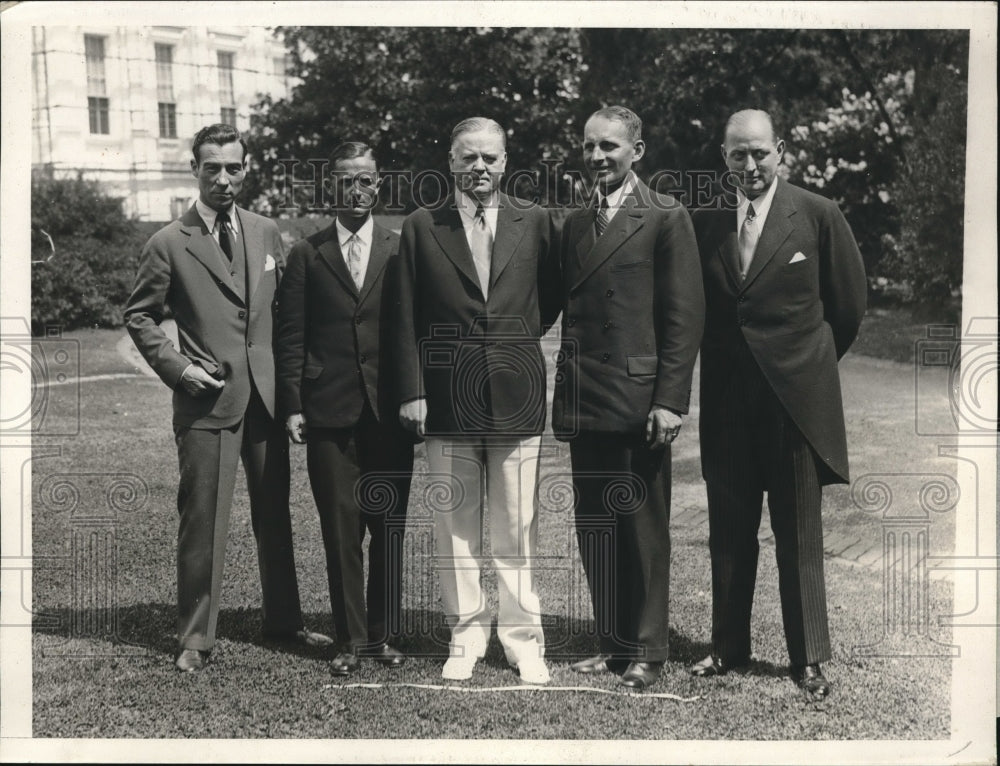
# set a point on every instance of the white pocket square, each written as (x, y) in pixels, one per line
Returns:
(797, 257)
(268, 263)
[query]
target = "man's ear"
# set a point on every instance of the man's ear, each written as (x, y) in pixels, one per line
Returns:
(639, 148)
(780, 148)
(722, 148)
(194, 167)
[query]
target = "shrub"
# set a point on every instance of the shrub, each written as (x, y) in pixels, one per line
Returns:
(87, 281)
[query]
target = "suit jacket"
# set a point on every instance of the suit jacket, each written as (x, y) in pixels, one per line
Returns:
(329, 341)
(225, 324)
(798, 318)
(633, 311)
(477, 360)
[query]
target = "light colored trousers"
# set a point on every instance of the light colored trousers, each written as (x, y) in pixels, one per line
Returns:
(506, 472)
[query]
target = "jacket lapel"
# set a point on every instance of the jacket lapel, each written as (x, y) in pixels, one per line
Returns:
(509, 235)
(377, 259)
(329, 251)
(253, 244)
(584, 233)
(728, 249)
(203, 247)
(777, 227)
(626, 222)
(450, 236)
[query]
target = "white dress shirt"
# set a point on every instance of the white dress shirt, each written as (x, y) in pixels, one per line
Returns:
(208, 215)
(617, 197)
(467, 212)
(761, 206)
(365, 235)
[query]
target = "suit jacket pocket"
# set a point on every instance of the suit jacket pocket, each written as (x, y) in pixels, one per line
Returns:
(641, 365)
(312, 371)
(630, 265)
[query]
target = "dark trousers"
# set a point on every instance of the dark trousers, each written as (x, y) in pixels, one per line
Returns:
(360, 479)
(208, 461)
(764, 451)
(623, 530)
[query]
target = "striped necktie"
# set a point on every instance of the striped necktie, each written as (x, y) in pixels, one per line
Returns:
(481, 244)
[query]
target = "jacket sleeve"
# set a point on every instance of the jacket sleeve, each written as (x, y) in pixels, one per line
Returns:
(843, 285)
(679, 308)
(145, 309)
(405, 355)
(550, 275)
(290, 332)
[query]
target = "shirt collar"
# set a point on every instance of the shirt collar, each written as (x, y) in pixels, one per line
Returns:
(208, 215)
(760, 205)
(364, 233)
(616, 197)
(467, 205)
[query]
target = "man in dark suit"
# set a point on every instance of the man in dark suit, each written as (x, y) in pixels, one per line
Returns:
(785, 293)
(218, 269)
(475, 297)
(632, 321)
(330, 352)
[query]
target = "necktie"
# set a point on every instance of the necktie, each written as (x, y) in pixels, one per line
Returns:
(601, 220)
(222, 219)
(354, 259)
(749, 234)
(481, 244)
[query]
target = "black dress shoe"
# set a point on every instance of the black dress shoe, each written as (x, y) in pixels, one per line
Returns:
(344, 663)
(641, 675)
(387, 655)
(810, 678)
(191, 660)
(592, 665)
(714, 665)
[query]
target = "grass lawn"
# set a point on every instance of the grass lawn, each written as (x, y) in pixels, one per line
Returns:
(104, 597)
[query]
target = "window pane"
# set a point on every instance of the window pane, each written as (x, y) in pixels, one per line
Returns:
(97, 109)
(96, 82)
(228, 116)
(226, 97)
(164, 72)
(168, 120)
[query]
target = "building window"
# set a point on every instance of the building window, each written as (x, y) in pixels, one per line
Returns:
(178, 206)
(168, 120)
(227, 95)
(98, 107)
(167, 107)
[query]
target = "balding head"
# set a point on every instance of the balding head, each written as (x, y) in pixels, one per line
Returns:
(750, 119)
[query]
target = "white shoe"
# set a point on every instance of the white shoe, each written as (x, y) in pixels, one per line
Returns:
(458, 668)
(533, 671)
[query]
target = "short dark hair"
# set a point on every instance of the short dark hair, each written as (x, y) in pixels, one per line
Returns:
(350, 150)
(219, 134)
(742, 114)
(624, 115)
(473, 124)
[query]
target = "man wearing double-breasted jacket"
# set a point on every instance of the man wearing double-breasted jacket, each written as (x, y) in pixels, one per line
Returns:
(632, 321)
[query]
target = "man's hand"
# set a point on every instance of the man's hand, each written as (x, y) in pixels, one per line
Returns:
(296, 427)
(412, 415)
(662, 426)
(196, 382)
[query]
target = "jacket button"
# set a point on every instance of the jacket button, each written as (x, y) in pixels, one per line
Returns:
(607, 325)
(743, 322)
(243, 315)
(357, 320)
(363, 359)
(249, 344)
(570, 321)
(605, 357)
(741, 299)
(609, 293)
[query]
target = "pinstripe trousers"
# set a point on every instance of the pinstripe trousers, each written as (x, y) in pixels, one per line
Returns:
(764, 451)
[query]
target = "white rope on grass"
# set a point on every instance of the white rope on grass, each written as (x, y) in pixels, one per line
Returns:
(514, 688)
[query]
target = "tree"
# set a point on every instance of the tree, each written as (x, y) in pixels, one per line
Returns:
(402, 89)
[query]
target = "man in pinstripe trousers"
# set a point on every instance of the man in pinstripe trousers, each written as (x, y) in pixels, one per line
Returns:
(784, 292)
